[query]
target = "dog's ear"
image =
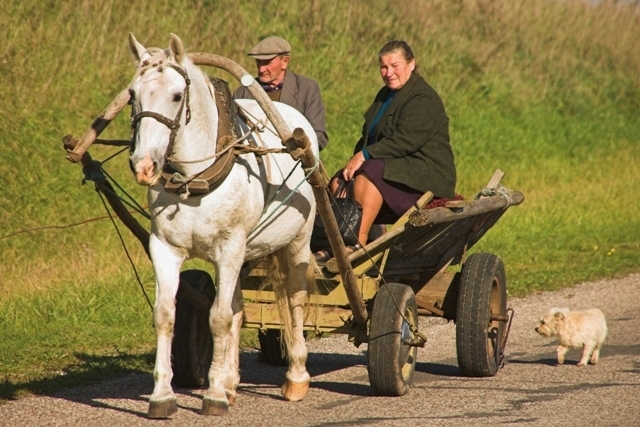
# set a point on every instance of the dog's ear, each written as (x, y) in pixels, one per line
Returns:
(559, 315)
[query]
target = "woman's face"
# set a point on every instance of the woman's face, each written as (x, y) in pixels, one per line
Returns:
(395, 70)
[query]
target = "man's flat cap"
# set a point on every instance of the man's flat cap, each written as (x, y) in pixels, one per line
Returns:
(269, 48)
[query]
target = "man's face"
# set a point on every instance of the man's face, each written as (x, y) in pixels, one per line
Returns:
(272, 70)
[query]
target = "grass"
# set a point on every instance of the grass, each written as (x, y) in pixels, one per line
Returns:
(546, 91)
(76, 334)
(73, 333)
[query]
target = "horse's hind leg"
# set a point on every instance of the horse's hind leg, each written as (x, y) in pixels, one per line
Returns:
(297, 256)
(167, 264)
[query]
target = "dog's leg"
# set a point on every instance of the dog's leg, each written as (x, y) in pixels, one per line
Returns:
(587, 349)
(562, 351)
(596, 355)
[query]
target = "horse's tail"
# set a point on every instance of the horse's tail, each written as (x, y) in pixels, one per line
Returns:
(278, 277)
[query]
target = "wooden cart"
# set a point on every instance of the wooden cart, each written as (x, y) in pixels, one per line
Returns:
(404, 274)
(374, 295)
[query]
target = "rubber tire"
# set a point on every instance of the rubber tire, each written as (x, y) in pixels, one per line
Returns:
(270, 348)
(192, 348)
(392, 363)
(483, 290)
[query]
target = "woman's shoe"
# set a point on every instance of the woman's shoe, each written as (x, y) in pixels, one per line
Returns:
(323, 255)
(352, 249)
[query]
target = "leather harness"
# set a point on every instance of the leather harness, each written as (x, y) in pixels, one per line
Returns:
(209, 179)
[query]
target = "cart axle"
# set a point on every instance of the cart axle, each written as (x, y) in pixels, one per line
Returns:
(500, 317)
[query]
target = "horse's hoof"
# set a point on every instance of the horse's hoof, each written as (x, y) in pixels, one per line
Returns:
(162, 409)
(214, 407)
(294, 392)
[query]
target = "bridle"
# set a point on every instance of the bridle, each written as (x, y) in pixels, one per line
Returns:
(174, 124)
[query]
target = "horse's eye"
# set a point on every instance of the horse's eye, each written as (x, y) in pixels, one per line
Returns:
(177, 97)
(132, 97)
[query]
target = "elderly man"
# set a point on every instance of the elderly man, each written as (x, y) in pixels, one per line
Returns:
(272, 56)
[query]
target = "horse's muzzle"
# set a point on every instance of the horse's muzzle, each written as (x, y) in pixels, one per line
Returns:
(146, 171)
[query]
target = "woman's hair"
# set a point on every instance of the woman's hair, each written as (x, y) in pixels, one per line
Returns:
(398, 46)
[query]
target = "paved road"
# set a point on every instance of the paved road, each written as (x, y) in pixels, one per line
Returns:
(531, 390)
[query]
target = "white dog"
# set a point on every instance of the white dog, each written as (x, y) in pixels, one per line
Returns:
(575, 329)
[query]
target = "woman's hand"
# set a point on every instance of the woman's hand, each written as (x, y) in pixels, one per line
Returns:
(353, 165)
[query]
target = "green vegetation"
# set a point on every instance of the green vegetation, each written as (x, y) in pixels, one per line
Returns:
(546, 91)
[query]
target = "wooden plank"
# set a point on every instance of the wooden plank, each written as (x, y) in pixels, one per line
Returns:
(475, 207)
(456, 204)
(439, 293)
(317, 318)
(495, 179)
(328, 292)
(422, 240)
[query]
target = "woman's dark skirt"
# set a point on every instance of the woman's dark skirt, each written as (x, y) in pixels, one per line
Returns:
(398, 198)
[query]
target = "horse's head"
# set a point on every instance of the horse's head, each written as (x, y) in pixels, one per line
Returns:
(160, 106)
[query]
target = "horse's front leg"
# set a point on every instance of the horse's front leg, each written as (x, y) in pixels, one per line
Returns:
(232, 354)
(225, 320)
(166, 264)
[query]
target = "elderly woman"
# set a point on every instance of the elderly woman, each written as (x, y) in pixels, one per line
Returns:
(404, 150)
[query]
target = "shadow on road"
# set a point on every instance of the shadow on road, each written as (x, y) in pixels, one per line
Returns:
(83, 383)
(438, 369)
(548, 362)
(130, 378)
(90, 370)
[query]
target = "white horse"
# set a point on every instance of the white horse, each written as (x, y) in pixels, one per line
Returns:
(175, 121)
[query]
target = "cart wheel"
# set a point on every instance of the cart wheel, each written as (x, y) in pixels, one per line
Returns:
(392, 360)
(483, 292)
(192, 348)
(271, 348)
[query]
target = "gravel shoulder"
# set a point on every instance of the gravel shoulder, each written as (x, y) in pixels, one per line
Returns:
(530, 390)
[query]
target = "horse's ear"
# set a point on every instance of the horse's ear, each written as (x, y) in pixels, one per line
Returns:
(177, 48)
(138, 51)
